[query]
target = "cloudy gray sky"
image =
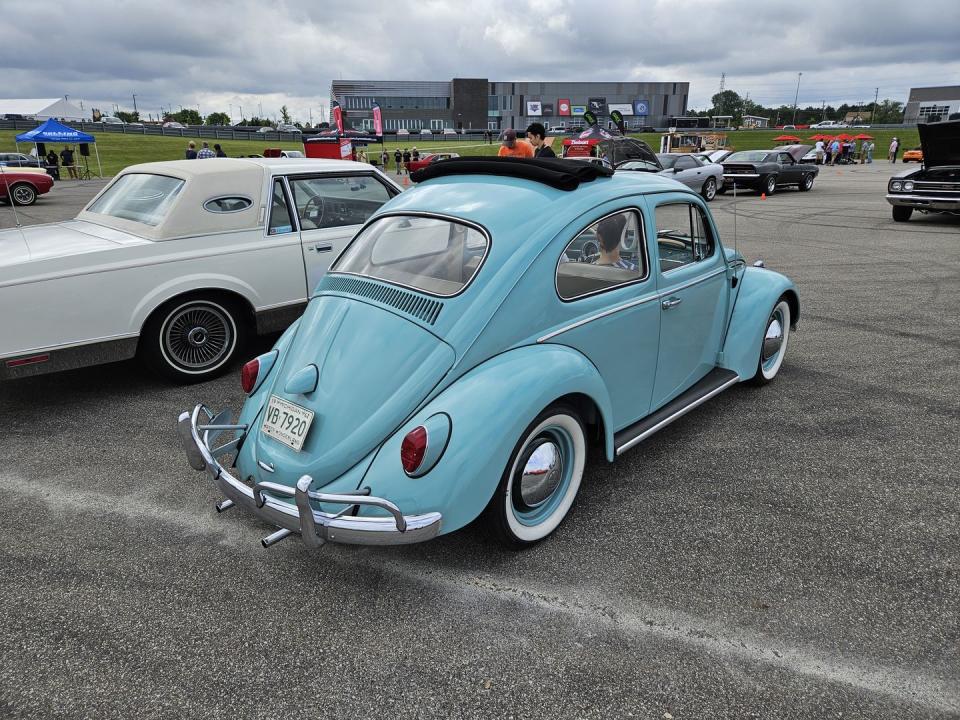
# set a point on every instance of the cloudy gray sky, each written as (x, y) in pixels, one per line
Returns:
(253, 53)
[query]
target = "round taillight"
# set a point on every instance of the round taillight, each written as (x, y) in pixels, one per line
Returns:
(413, 448)
(248, 375)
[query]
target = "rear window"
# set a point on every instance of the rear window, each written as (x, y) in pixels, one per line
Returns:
(748, 156)
(433, 255)
(139, 197)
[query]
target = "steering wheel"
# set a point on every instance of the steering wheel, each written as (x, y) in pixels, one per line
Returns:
(589, 252)
(313, 210)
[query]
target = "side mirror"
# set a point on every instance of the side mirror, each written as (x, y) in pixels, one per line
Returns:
(675, 169)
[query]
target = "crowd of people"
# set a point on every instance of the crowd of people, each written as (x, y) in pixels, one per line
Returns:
(204, 152)
(832, 152)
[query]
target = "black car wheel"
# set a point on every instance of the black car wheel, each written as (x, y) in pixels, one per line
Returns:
(902, 213)
(806, 183)
(23, 194)
(722, 190)
(769, 185)
(709, 189)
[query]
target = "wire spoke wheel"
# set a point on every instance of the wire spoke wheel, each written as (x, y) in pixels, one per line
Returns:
(198, 337)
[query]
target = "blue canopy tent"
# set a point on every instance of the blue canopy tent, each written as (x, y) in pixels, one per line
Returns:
(55, 132)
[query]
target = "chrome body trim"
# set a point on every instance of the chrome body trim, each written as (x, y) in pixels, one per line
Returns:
(925, 201)
(315, 526)
(675, 416)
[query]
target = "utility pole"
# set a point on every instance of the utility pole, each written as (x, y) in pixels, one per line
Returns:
(231, 113)
(796, 98)
(723, 81)
(873, 115)
(823, 110)
(310, 114)
(134, 102)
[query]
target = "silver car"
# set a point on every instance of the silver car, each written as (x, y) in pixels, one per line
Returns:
(703, 177)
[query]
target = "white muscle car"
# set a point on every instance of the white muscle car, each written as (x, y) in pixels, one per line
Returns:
(179, 263)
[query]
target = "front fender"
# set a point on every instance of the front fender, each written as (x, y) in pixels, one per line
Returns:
(759, 291)
(489, 409)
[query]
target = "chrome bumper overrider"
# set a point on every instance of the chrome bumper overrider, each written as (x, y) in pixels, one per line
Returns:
(316, 527)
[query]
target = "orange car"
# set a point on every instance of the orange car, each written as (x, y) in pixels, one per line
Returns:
(915, 155)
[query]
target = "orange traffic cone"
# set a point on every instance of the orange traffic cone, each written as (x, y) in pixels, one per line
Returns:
(406, 181)
(763, 196)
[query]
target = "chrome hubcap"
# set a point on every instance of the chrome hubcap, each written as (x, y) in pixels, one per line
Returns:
(23, 195)
(541, 475)
(772, 339)
(198, 336)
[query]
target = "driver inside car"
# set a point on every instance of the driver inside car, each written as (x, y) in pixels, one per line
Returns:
(609, 235)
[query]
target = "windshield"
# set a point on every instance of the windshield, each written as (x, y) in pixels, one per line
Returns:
(668, 161)
(748, 156)
(139, 197)
(638, 165)
(436, 256)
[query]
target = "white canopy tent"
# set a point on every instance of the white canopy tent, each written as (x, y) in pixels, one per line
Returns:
(41, 109)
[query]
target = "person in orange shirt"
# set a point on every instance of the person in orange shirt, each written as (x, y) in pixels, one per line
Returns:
(511, 147)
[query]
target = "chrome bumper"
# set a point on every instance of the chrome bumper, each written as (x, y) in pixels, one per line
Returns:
(926, 202)
(316, 527)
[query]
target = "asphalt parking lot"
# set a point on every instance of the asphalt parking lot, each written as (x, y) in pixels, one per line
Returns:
(788, 551)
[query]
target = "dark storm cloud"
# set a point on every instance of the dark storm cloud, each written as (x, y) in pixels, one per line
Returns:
(244, 52)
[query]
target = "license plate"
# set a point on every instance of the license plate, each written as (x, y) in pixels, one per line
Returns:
(286, 422)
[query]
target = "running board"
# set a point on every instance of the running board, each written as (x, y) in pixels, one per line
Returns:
(713, 383)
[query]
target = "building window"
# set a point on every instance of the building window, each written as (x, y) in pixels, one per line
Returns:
(933, 113)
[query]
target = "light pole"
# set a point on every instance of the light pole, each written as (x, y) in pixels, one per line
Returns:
(231, 112)
(134, 102)
(796, 97)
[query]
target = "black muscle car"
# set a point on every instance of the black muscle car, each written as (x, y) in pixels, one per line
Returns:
(766, 170)
(935, 186)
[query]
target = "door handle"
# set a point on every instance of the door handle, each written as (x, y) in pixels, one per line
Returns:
(321, 247)
(670, 302)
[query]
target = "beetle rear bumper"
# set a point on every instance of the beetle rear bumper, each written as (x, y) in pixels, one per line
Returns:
(316, 527)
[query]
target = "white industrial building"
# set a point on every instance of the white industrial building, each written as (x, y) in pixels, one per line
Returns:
(42, 109)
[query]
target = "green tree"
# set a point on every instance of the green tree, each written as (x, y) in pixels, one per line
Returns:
(218, 118)
(727, 102)
(889, 111)
(187, 116)
(256, 122)
(128, 117)
(285, 115)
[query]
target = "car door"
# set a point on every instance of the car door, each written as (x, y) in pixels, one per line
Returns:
(690, 172)
(692, 291)
(789, 171)
(330, 209)
(609, 297)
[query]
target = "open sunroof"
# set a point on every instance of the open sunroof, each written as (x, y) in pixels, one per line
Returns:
(559, 174)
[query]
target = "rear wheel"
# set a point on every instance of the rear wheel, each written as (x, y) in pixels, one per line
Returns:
(901, 213)
(541, 479)
(773, 347)
(806, 183)
(23, 194)
(192, 339)
(709, 189)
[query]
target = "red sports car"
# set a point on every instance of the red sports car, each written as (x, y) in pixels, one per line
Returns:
(425, 160)
(23, 187)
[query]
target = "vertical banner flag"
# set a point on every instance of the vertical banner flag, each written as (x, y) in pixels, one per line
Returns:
(337, 115)
(547, 109)
(590, 118)
(563, 107)
(617, 118)
(377, 121)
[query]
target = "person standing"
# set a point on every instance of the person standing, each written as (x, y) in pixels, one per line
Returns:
(537, 137)
(384, 159)
(406, 161)
(894, 147)
(415, 155)
(397, 159)
(870, 147)
(205, 152)
(53, 165)
(511, 147)
(819, 147)
(834, 151)
(66, 159)
(219, 150)
(191, 152)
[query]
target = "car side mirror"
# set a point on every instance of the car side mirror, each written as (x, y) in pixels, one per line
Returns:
(675, 170)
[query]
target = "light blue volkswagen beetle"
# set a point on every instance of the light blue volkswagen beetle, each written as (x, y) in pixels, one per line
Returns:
(480, 333)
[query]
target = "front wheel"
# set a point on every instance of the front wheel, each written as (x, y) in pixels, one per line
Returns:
(902, 213)
(193, 339)
(541, 479)
(806, 183)
(770, 185)
(773, 348)
(23, 194)
(709, 189)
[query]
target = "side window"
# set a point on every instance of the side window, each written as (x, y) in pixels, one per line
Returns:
(683, 237)
(281, 221)
(786, 158)
(608, 254)
(325, 202)
(685, 163)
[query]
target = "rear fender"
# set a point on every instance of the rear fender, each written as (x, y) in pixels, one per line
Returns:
(489, 409)
(759, 290)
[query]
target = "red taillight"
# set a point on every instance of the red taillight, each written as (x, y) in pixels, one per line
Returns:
(413, 448)
(248, 375)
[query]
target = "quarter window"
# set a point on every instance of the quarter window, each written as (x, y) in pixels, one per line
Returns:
(227, 204)
(325, 202)
(608, 254)
(682, 235)
(281, 221)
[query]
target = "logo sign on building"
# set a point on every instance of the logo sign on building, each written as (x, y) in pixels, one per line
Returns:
(534, 108)
(547, 109)
(578, 109)
(622, 108)
(563, 107)
(640, 107)
(597, 105)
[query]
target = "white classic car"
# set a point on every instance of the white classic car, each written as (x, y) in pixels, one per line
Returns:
(179, 263)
